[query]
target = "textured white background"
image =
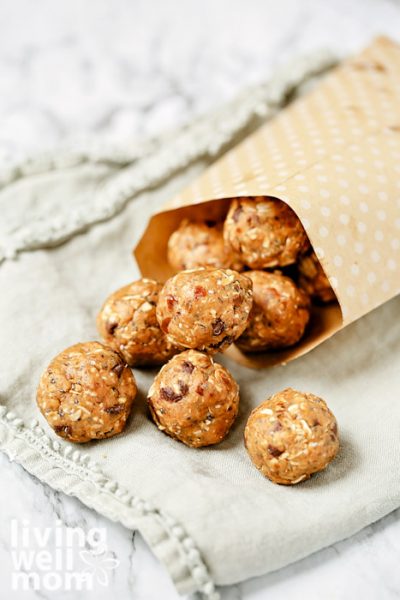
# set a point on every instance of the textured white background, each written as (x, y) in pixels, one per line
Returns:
(124, 69)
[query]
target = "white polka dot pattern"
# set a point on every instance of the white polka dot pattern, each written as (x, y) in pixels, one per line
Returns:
(334, 157)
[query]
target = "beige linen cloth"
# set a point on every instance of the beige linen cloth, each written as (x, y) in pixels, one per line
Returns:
(68, 224)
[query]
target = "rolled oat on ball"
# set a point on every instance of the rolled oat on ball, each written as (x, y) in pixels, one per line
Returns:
(86, 392)
(264, 232)
(205, 309)
(291, 435)
(128, 323)
(200, 244)
(279, 315)
(194, 399)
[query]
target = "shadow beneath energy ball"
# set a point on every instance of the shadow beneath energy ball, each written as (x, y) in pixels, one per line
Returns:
(347, 460)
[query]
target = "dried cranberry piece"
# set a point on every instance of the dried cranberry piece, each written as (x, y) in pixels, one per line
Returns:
(237, 300)
(171, 301)
(187, 366)
(118, 369)
(274, 451)
(63, 429)
(168, 394)
(111, 327)
(228, 339)
(184, 388)
(165, 323)
(218, 326)
(199, 292)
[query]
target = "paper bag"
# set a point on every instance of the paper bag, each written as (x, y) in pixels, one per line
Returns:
(334, 157)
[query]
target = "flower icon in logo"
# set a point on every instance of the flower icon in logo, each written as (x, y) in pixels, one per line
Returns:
(99, 564)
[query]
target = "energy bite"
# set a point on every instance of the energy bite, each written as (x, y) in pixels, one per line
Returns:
(196, 244)
(313, 279)
(290, 436)
(194, 399)
(279, 315)
(264, 232)
(128, 323)
(86, 392)
(205, 309)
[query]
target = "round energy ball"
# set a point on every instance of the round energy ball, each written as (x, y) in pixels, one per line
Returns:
(279, 315)
(194, 399)
(205, 309)
(128, 323)
(313, 280)
(264, 232)
(86, 393)
(290, 436)
(195, 245)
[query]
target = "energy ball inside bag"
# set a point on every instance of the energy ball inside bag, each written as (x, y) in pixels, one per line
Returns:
(291, 435)
(200, 244)
(313, 279)
(205, 309)
(86, 393)
(128, 323)
(194, 399)
(279, 315)
(264, 232)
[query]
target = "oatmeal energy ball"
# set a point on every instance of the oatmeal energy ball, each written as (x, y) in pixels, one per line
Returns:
(279, 314)
(86, 393)
(313, 279)
(128, 323)
(195, 245)
(194, 399)
(290, 436)
(264, 232)
(205, 309)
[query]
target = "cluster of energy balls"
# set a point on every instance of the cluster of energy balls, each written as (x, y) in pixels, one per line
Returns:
(230, 287)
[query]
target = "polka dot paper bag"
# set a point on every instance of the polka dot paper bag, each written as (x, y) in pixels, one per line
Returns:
(334, 157)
